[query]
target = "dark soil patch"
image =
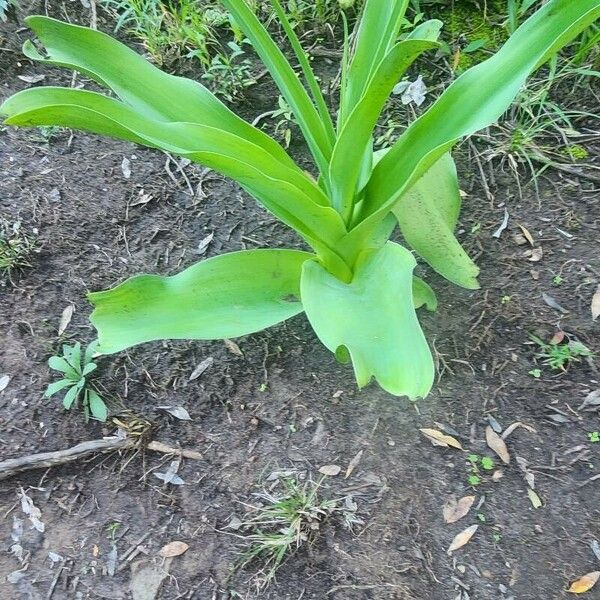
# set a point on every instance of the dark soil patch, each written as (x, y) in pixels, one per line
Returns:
(285, 404)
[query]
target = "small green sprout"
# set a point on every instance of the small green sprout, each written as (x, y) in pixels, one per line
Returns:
(506, 299)
(481, 517)
(497, 537)
(76, 369)
(559, 356)
(537, 373)
(474, 480)
(487, 463)
(594, 436)
(475, 463)
(557, 280)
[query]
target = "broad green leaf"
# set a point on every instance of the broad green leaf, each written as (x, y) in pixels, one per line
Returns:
(428, 30)
(61, 384)
(148, 90)
(223, 297)
(89, 368)
(73, 356)
(377, 31)
(72, 394)
(307, 71)
(372, 320)
(89, 352)
(427, 215)
(58, 363)
(286, 191)
(355, 137)
(423, 295)
(475, 100)
(96, 405)
(318, 136)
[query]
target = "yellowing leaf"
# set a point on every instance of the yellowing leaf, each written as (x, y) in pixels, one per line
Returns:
(496, 443)
(527, 235)
(437, 438)
(173, 549)
(596, 305)
(534, 498)
(585, 583)
(462, 538)
(454, 511)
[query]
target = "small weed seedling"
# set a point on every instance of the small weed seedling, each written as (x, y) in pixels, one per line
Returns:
(16, 248)
(477, 466)
(559, 356)
(282, 524)
(76, 369)
(229, 74)
(594, 436)
(536, 373)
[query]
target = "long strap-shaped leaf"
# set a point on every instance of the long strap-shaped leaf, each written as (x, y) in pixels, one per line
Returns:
(286, 192)
(377, 32)
(427, 216)
(475, 100)
(480, 96)
(223, 297)
(309, 74)
(315, 131)
(356, 133)
(141, 85)
(373, 319)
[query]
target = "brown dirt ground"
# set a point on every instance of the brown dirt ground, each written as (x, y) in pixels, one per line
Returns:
(310, 414)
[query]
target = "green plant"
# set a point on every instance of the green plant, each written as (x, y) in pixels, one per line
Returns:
(594, 436)
(282, 524)
(16, 248)
(169, 29)
(535, 373)
(76, 370)
(477, 463)
(229, 74)
(356, 287)
(559, 356)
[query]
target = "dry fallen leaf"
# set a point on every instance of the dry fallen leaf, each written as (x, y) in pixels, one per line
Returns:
(4, 381)
(585, 583)
(31, 78)
(204, 244)
(527, 235)
(353, 464)
(207, 362)
(330, 470)
(173, 549)
(535, 255)
(596, 305)
(454, 511)
(534, 498)
(65, 319)
(496, 443)
(462, 538)
(437, 438)
(512, 427)
(233, 347)
(126, 167)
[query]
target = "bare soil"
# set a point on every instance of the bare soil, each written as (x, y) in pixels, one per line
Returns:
(284, 404)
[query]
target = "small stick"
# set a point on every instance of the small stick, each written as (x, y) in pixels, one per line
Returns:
(11, 467)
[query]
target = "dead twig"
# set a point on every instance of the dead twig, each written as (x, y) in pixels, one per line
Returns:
(13, 466)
